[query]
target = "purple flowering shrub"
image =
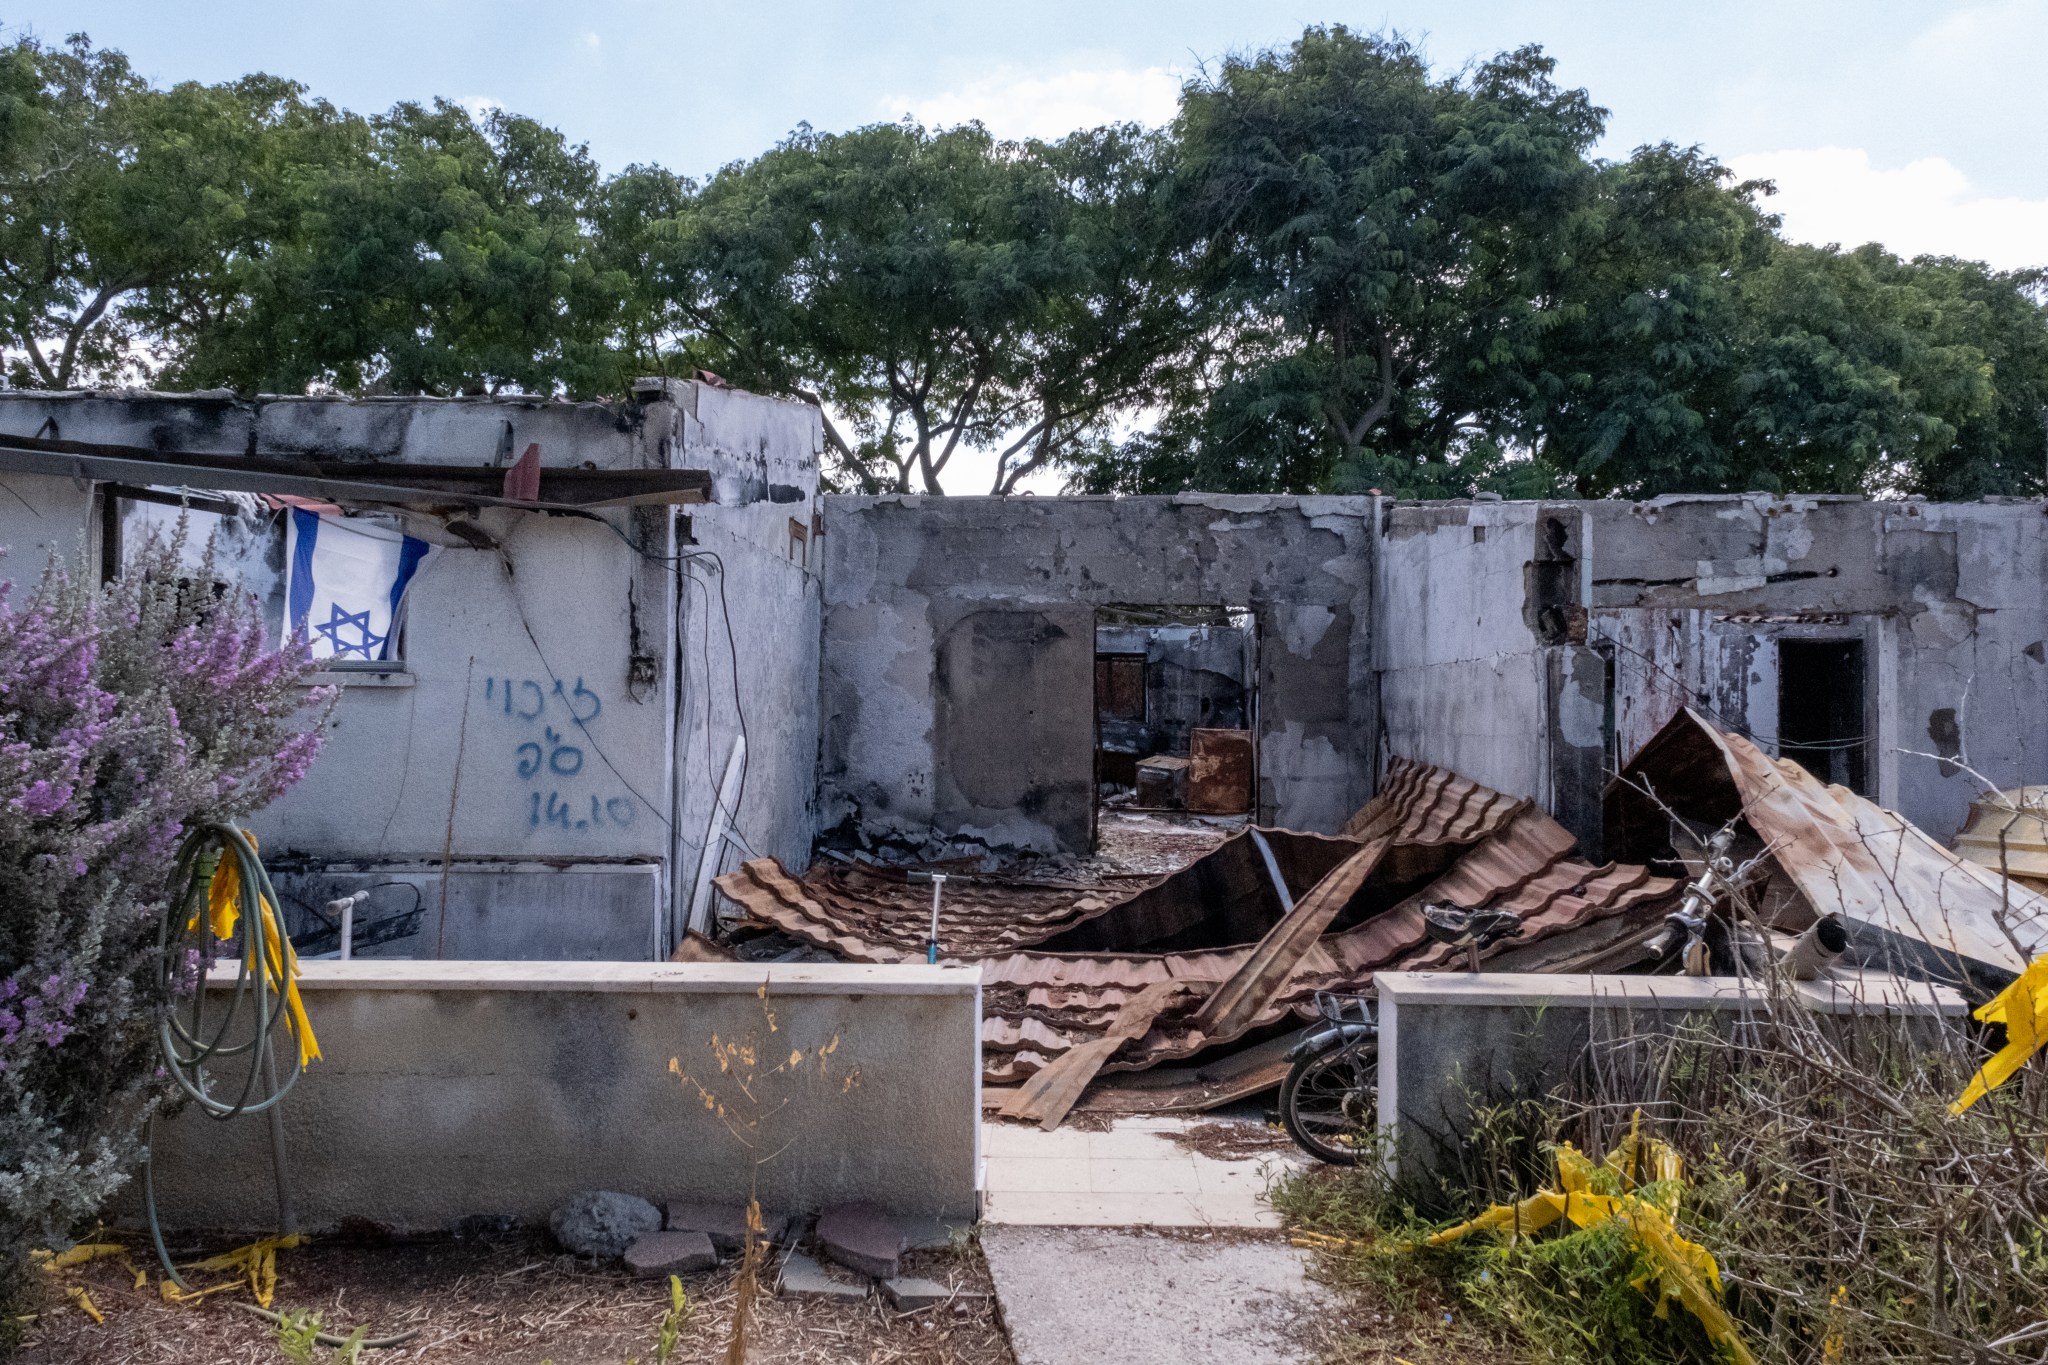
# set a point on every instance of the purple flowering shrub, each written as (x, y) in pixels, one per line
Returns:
(128, 714)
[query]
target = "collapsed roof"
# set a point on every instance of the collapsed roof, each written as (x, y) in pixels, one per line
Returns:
(1911, 905)
(1061, 960)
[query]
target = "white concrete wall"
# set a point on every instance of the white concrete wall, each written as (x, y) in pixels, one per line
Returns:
(449, 1090)
(547, 680)
(41, 517)
(764, 450)
(1463, 678)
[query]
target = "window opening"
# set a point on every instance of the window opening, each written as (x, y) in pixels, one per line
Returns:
(1821, 710)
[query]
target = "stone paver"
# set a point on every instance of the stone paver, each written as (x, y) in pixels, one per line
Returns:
(907, 1294)
(803, 1277)
(724, 1224)
(670, 1253)
(861, 1237)
(1142, 1298)
(1133, 1175)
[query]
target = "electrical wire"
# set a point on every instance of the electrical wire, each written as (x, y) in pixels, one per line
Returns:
(1656, 670)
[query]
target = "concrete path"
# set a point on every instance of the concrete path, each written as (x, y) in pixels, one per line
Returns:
(1128, 1246)
(1134, 1175)
(1137, 1297)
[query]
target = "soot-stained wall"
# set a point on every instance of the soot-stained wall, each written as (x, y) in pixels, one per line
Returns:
(1534, 646)
(957, 669)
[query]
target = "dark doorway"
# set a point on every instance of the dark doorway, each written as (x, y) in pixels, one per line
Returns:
(1820, 710)
(1174, 707)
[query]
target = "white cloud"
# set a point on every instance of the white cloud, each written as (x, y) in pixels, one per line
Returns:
(1834, 194)
(479, 106)
(1018, 103)
(591, 40)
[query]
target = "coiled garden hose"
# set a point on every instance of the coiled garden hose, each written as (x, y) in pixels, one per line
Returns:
(223, 1058)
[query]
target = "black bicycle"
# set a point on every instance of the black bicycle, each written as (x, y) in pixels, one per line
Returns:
(1330, 1099)
(1329, 1102)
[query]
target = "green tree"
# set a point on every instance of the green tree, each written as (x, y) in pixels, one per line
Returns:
(892, 272)
(1374, 234)
(133, 221)
(459, 259)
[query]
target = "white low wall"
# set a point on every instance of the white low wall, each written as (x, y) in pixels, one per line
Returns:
(1451, 1040)
(452, 1089)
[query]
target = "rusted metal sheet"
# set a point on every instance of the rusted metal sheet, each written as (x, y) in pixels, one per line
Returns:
(1220, 772)
(1049, 1094)
(1230, 1008)
(1061, 963)
(1420, 803)
(1221, 899)
(1919, 906)
(2008, 833)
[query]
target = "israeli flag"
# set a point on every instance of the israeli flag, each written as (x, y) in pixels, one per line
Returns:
(345, 582)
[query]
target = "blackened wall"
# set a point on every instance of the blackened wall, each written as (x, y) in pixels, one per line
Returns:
(957, 685)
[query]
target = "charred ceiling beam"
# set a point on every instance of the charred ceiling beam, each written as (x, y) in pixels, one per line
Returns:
(352, 481)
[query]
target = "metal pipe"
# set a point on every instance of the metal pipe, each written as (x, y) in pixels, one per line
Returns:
(1272, 869)
(1814, 951)
(931, 953)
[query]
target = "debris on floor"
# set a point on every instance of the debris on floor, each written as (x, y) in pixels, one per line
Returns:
(1910, 906)
(516, 1299)
(1230, 947)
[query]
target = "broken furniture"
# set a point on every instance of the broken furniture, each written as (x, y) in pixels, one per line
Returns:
(1163, 783)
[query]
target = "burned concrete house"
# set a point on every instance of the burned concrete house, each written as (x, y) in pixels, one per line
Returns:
(624, 697)
(677, 643)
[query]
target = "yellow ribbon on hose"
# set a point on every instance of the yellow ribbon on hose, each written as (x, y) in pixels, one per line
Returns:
(277, 961)
(2023, 1008)
(256, 1262)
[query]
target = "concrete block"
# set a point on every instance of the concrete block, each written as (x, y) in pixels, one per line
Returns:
(861, 1237)
(506, 1088)
(1450, 1041)
(724, 1224)
(670, 1253)
(907, 1294)
(921, 1233)
(602, 1223)
(803, 1277)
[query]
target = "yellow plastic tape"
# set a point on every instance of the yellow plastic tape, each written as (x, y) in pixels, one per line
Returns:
(256, 1262)
(269, 951)
(2023, 1008)
(1679, 1269)
(54, 1261)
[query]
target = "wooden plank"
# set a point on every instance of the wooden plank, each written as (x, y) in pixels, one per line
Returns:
(1232, 1006)
(1052, 1091)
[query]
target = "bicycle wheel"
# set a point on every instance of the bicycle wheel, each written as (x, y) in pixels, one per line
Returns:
(1330, 1100)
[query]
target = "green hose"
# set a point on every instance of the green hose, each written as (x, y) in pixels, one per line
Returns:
(226, 1077)
(185, 944)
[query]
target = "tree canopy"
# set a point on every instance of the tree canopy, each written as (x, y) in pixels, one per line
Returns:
(1338, 268)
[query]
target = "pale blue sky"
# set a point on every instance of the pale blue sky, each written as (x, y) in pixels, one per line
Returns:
(1916, 124)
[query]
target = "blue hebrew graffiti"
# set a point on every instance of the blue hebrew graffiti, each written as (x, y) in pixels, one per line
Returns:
(563, 712)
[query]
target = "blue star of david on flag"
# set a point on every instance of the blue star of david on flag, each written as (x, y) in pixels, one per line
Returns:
(345, 584)
(338, 622)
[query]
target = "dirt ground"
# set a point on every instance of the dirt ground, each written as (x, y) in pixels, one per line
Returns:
(514, 1301)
